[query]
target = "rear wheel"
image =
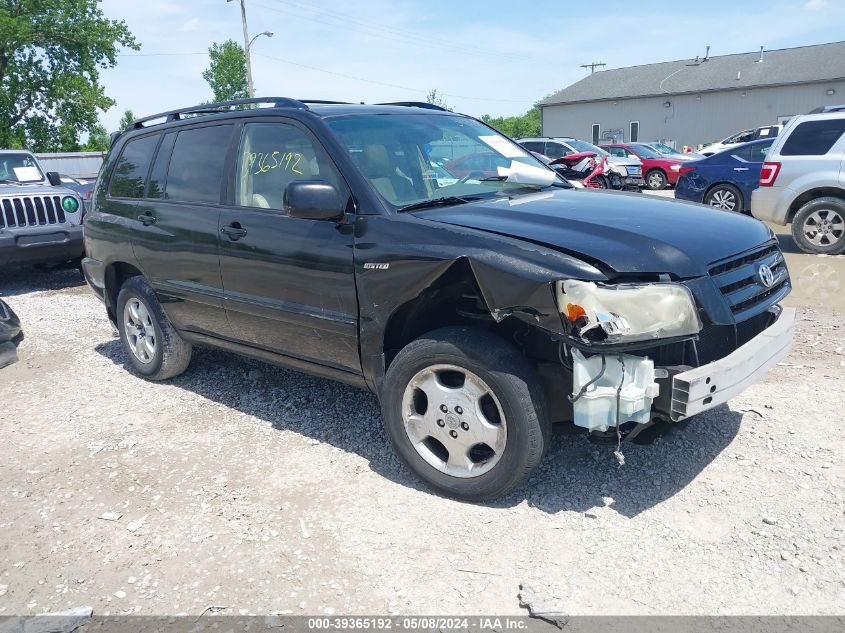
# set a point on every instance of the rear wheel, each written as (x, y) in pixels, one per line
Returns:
(464, 410)
(655, 180)
(819, 226)
(155, 349)
(725, 197)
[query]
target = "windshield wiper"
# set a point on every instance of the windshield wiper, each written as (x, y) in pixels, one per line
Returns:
(437, 202)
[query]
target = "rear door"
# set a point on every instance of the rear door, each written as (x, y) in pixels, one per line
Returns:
(289, 282)
(743, 168)
(176, 237)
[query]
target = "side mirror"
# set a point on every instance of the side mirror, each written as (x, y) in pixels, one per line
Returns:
(54, 178)
(313, 200)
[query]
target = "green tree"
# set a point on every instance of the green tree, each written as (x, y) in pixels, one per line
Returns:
(226, 74)
(126, 121)
(527, 124)
(51, 56)
(433, 98)
(98, 140)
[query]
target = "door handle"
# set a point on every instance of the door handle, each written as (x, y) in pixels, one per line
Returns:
(147, 218)
(740, 168)
(235, 231)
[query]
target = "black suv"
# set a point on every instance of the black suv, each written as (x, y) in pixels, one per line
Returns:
(422, 255)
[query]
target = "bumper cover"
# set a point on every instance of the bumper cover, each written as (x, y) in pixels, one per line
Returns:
(713, 384)
(55, 243)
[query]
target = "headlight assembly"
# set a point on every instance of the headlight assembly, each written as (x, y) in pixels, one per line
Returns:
(627, 313)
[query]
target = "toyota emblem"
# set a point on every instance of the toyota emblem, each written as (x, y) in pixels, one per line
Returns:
(767, 277)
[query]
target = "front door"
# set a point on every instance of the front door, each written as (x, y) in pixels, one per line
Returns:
(176, 241)
(289, 282)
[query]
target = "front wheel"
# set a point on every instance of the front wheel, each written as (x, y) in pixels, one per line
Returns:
(655, 180)
(819, 226)
(465, 411)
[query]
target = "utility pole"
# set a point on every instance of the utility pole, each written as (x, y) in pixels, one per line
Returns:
(591, 66)
(250, 91)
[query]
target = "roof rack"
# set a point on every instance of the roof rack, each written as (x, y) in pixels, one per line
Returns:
(415, 104)
(324, 102)
(219, 107)
(827, 109)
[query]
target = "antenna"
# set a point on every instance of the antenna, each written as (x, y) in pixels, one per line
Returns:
(592, 66)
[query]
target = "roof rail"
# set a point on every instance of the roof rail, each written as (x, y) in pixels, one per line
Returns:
(221, 106)
(324, 102)
(826, 109)
(415, 104)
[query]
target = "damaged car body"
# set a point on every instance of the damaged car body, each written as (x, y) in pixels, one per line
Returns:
(480, 308)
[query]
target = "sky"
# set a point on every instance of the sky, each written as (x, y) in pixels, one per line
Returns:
(495, 57)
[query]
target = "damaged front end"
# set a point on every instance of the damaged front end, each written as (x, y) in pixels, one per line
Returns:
(635, 352)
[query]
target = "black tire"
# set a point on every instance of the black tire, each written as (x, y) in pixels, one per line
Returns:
(513, 381)
(656, 180)
(828, 209)
(172, 354)
(602, 182)
(725, 197)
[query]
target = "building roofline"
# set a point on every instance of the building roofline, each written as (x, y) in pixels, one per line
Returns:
(695, 92)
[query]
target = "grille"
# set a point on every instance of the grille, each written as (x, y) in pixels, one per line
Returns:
(23, 211)
(739, 281)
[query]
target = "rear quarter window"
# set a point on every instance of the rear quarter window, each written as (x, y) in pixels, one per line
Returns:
(813, 138)
(130, 173)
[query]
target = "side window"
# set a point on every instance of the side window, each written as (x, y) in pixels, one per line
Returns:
(533, 146)
(196, 165)
(758, 152)
(555, 150)
(813, 138)
(273, 155)
(130, 173)
(158, 175)
(743, 154)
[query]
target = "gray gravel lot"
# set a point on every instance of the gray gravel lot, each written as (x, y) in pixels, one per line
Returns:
(256, 489)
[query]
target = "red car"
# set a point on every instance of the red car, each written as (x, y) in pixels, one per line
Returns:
(658, 171)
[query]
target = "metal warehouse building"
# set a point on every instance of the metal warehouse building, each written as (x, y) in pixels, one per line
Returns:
(697, 101)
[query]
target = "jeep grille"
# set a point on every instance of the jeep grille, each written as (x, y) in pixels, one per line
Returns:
(24, 211)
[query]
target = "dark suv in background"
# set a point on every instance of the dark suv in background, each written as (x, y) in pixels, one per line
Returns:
(479, 309)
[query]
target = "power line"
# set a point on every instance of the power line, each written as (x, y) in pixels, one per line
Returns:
(344, 20)
(387, 84)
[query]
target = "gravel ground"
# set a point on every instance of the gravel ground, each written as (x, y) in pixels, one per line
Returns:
(253, 488)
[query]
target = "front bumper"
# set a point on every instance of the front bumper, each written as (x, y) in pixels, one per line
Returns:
(633, 182)
(713, 384)
(47, 244)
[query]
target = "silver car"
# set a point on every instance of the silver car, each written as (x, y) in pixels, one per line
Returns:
(629, 169)
(802, 181)
(40, 220)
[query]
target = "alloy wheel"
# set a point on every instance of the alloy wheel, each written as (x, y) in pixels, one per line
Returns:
(139, 329)
(824, 227)
(723, 199)
(454, 421)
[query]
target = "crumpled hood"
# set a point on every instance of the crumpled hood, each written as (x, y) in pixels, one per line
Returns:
(630, 233)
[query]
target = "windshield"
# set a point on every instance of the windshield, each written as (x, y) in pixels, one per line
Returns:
(19, 168)
(663, 149)
(412, 159)
(584, 146)
(643, 151)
